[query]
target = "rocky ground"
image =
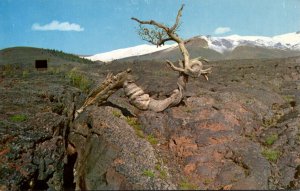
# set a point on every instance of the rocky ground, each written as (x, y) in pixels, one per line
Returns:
(239, 130)
(35, 113)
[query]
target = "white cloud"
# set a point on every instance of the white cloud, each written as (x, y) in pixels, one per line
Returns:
(57, 26)
(222, 30)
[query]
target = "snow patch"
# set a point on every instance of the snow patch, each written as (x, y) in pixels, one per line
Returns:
(128, 52)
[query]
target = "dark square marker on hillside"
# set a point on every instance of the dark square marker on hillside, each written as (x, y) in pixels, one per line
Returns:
(41, 64)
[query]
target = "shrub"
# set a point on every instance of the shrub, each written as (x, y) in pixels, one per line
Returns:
(152, 140)
(25, 73)
(271, 139)
(148, 173)
(136, 126)
(8, 69)
(185, 185)
(54, 70)
(18, 118)
(271, 155)
(162, 173)
(271, 121)
(2, 123)
(207, 181)
(79, 80)
(117, 113)
(289, 98)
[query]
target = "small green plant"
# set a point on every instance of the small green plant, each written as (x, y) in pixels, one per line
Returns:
(2, 122)
(117, 113)
(139, 133)
(18, 118)
(133, 122)
(25, 73)
(188, 110)
(54, 70)
(152, 140)
(148, 173)
(249, 101)
(8, 69)
(289, 98)
(207, 181)
(273, 120)
(162, 173)
(136, 126)
(271, 155)
(271, 139)
(79, 80)
(185, 185)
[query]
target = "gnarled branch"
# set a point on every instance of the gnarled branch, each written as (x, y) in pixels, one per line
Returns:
(101, 93)
(179, 14)
(193, 68)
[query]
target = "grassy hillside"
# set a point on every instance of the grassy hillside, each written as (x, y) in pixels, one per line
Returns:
(28, 55)
(20, 62)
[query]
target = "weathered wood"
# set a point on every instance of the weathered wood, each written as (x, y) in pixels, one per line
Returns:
(102, 92)
(137, 96)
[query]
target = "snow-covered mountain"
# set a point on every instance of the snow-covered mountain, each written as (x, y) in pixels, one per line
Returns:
(289, 41)
(127, 52)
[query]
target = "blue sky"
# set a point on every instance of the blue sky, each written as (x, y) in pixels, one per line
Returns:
(94, 26)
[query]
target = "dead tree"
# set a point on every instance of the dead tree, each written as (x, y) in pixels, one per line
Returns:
(161, 34)
(155, 33)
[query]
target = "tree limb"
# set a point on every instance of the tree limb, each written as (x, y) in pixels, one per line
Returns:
(101, 93)
(179, 14)
(162, 41)
(175, 68)
(151, 22)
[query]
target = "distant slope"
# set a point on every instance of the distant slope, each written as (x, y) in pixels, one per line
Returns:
(195, 50)
(249, 52)
(28, 55)
(196, 47)
(220, 48)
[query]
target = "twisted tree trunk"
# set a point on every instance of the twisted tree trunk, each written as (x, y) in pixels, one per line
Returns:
(137, 97)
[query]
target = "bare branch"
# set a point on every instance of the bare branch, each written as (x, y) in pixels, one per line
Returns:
(206, 71)
(174, 67)
(151, 22)
(157, 37)
(179, 14)
(100, 94)
(200, 58)
(162, 41)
